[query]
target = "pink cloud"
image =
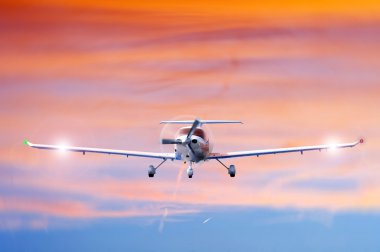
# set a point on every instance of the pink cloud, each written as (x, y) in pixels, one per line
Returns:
(105, 79)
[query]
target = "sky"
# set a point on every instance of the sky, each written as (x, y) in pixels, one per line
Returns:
(105, 73)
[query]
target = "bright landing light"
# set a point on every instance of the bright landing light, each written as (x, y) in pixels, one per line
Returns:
(333, 145)
(62, 146)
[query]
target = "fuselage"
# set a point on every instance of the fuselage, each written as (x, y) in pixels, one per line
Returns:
(197, 150)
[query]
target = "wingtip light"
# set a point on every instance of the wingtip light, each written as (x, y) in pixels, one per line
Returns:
(26, 142)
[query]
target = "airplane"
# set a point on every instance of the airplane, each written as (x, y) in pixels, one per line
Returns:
(192, 145)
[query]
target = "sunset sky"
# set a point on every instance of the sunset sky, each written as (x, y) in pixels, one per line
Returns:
(105, 73)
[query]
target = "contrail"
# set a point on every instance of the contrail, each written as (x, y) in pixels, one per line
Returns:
(178, 182)
(166, 211)
(162, 222)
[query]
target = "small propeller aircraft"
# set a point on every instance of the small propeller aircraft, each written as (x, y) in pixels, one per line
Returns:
(192, 146)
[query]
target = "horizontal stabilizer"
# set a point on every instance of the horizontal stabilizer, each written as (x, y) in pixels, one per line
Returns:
(201, 122)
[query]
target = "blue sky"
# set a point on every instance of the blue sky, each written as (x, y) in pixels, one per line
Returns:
(235, 229)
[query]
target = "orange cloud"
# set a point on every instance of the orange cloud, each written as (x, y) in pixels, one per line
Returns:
(225, 8)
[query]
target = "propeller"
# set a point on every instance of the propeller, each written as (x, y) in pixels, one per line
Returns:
(171, 141)
(192, 130)
(188, 138)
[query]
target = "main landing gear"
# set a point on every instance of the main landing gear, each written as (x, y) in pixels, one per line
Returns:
(231, 170)
(152, 169)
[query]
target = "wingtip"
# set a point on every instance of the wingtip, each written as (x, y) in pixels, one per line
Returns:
(26, 142)
(361, 140)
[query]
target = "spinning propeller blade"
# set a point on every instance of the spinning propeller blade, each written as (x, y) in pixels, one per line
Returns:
(192, 130)
(171, 141)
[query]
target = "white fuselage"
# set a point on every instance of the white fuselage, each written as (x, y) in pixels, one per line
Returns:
(197, 150)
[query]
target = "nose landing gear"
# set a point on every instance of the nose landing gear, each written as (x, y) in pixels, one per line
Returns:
(190, 171)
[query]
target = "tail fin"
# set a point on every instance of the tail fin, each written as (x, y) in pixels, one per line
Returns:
(201, 122)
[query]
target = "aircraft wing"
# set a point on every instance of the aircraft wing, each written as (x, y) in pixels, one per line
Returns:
(281, 150)
(102, 151)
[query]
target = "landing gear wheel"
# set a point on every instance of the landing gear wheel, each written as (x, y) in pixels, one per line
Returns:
(190, 171)
(232, 171)
(151, 171)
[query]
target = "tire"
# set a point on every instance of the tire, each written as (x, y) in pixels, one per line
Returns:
(232, 171)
